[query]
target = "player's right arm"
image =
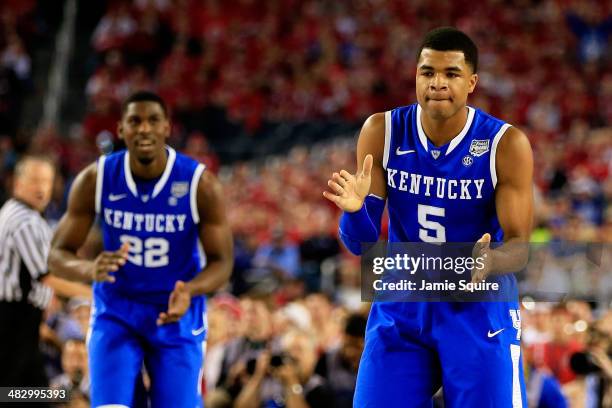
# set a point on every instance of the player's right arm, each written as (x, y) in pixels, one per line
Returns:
(361, 196)
(72, 232)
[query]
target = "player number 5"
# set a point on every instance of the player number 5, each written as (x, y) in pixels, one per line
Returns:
(431, 231)
(155, 251)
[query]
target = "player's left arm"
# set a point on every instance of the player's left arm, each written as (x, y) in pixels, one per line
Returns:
(514, 205)
(216, 237)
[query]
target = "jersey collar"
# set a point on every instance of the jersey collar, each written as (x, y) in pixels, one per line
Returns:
(455, 141)
(129, 179)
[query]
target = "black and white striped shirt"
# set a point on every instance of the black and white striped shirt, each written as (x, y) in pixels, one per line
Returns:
(25, 237)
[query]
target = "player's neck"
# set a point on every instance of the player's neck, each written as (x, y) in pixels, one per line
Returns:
(442, 131)
(151, 170)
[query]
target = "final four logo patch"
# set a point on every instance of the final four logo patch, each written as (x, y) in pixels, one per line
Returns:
(479, 147)
(179, 189)
(435, 154)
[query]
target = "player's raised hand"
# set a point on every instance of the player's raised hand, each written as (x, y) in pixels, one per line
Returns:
(178, 304)
(108, 262)
(482, 250)
(348, 190)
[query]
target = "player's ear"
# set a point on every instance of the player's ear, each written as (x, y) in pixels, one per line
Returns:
(472, 82)
(120, 129)
(168, 129)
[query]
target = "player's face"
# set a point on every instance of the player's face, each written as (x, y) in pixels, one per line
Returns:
(144, 127)
(443, 82)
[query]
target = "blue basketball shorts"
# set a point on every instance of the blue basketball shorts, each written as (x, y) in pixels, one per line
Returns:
(471, 350)
(124, 336)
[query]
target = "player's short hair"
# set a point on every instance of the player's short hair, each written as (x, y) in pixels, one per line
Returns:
(144, 96)
(451, 39)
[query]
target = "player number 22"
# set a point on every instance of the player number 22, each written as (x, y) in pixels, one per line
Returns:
(429, 226)
(155, 251)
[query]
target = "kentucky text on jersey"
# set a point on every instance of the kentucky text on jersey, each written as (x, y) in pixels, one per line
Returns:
(159, 221)
(130, 221)
(441, 193)
(453, 189)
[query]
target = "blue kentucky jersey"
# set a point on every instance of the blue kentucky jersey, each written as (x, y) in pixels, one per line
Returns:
(446, 193)
(432, 338)
(158, 218)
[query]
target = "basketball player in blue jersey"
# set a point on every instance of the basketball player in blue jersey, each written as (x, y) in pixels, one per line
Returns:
(153, 205)
(448, 172)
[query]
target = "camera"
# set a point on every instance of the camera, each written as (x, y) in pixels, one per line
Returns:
(583, 364)
(278, 360)
(250, 366)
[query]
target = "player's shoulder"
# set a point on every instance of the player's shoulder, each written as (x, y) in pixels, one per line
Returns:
(83, 188)
(508, 136)
(88, 175)
(112, 158)
(187, 169)
(496, 129)
(185, 161)
(372, 135)
(514, 143)
(209, 191)
(486, 124)
(485, 116)
(209, 182)
(190, 166)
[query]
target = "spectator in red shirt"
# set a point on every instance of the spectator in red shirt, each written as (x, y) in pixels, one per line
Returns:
(555, 354)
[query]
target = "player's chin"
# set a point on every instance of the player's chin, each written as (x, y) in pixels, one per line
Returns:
(145, 159)
(440, 112)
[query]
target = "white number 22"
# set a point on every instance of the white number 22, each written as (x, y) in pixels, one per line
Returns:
(155, 251)
(431, 231)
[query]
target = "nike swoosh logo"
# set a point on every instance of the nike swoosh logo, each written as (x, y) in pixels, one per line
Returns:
(403, 152)
(116, 197)
(198, 331)
(489, 334)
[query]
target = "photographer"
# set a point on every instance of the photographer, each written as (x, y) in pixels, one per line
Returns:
(593, 367)
(74, 365)
(340, 364)
(292, 371)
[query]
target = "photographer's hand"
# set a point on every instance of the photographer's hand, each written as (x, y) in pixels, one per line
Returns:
(602, 360)
(287, 374)
(250, 396)
(294, 392)
(263, 362)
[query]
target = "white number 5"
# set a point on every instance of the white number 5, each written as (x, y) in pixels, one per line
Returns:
(439, 232)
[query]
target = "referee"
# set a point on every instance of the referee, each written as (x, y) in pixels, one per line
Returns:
(25, 285)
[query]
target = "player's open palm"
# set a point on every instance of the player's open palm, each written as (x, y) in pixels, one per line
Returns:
(178, 304)
(349, 191)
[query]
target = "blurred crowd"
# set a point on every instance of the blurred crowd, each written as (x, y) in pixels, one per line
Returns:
(18, 29)
(260, 346)
(293, 308)
(290, 59)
